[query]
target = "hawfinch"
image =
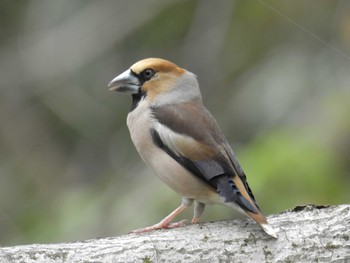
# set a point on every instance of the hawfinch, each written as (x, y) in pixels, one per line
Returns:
(181, 141)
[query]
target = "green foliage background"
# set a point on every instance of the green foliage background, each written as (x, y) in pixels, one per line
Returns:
(275, 74)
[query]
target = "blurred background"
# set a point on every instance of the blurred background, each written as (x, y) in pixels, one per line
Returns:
(275, 74)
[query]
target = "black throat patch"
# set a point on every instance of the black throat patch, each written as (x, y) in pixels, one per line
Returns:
(136, 98)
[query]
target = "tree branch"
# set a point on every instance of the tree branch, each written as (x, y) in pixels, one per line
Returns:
(306, 234)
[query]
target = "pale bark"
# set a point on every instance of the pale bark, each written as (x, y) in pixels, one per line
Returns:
(306, 234)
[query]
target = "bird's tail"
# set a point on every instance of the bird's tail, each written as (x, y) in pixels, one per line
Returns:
(261, 220)
(269, 230)
(254, 213)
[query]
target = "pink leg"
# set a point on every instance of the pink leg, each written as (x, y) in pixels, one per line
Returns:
(166, 222)
(198, 212)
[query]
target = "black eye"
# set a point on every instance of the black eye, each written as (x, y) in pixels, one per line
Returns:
(147, 74)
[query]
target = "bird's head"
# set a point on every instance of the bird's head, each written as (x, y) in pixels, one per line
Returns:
(160, 80)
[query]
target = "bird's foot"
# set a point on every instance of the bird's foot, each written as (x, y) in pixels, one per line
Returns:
(161, 225)
(195, 220)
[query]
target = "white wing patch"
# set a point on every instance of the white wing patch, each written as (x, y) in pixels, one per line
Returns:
(171, 138)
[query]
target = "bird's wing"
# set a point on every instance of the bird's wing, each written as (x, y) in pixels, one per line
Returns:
(199, 145)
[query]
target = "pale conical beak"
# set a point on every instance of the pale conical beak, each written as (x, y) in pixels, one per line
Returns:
(125, 82)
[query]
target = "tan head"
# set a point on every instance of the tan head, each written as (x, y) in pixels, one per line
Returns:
(161, 81)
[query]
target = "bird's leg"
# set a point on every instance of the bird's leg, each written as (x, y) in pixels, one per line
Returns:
(166, 222)
(198, 211)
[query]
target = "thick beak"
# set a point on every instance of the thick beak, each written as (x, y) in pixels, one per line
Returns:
(125, 82)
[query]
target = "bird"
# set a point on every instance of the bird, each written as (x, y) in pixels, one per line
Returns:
(181, 141)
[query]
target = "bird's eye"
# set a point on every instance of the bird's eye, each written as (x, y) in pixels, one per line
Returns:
(147, 74)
